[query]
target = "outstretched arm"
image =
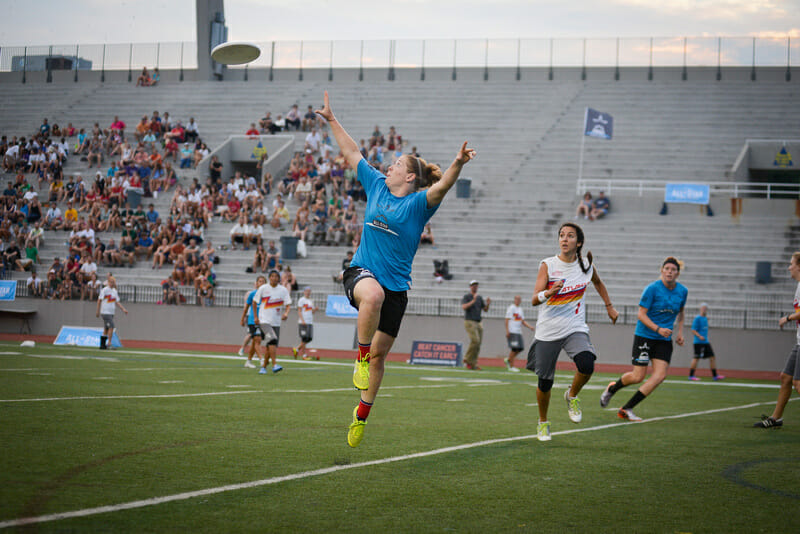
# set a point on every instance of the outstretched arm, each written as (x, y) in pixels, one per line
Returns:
(346, 144)
(437, 191)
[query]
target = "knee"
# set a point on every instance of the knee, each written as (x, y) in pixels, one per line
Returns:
(786, 380)
(372, 298)
(545, 385)
(584, 361)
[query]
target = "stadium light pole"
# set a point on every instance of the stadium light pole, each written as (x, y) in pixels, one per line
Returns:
(49, 65)
(180, 77)
(650, 68)
(24, 63)
(753, 69)
(330, 63)
(583, 61)
(422, 63)
(519, 73)
(788, 58)
(685, 72)
(486, 62)
(130, 58)
(550, 72)
(361, 63)
(719, 58)
(616, 69)
(77, 51)
(272, 61)
(103, 67)
(455, 53)
(300, 74)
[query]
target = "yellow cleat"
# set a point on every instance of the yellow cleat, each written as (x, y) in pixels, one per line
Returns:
(356, 432)
(361, 374)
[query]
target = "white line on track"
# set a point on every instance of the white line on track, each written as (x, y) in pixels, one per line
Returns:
(134, 396)
(327, 470)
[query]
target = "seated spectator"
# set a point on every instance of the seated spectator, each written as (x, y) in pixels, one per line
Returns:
(345, 265)
(31, 258)
(259, 259)
(205, 293)
(238, 233)
(601, 206)
(301, 226)
(91, 289)
(335, 232)
(585, 207)
(192, 131)
(144, 245)
(209, 253)
(273, 256)
(162, 254)
(293, 118)
(288, 279)
(144, 79)
(279, 124)
(170, 293)
(215, 170)
(255, 234)
(35, 285)
(156, 77)
(280, 216)
(252, 131)
(427, 236)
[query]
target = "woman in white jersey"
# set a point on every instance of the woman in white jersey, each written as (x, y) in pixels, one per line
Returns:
(560, 286)
(790, 377)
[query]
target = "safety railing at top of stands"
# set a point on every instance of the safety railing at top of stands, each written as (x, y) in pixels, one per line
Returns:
(723, 189)
(757, 312)
(701, 51)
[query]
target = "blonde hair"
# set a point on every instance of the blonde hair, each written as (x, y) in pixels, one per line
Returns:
(427, 173)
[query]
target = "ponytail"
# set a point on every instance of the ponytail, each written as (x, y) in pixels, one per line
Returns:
(427, 173)
(580, 260)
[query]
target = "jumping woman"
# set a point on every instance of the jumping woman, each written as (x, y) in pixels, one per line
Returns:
(561, 287)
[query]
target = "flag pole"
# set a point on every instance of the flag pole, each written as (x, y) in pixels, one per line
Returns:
(583, 144)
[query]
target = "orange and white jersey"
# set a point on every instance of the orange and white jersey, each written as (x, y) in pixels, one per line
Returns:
(271, 301)
(108, 300)
(306, 307)
(564, 313)
(515, 317)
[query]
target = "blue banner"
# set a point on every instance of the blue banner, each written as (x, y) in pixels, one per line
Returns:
(687, 193)
(83, 336)
(8, 289)
(339, 306)
(598, 124)
(436, 353)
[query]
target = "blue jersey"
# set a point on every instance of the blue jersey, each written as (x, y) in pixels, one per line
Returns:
(700, 325)
(249, 302)
(663, 306)
(392, 227)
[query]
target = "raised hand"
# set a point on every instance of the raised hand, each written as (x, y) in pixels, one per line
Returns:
(465, 154)
(326, 112)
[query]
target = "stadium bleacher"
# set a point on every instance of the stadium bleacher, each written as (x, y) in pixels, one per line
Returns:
(523, 181)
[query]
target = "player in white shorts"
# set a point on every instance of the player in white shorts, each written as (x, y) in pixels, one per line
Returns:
(305, 322)
(107, 302)
(561, 286)
(515, 319)
(268, 302)
(790, 377)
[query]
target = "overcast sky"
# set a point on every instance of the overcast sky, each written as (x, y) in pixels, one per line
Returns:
(42, 22)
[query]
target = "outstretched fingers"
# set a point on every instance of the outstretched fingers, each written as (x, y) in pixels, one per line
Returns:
(325, 112)
(465, 154)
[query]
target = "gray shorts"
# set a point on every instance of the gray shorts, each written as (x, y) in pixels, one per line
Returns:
(515, 342)
(791, 368)
(543, 355)
(271, 334)
(108, 321)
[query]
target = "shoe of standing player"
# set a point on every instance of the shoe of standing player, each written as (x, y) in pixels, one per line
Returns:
(249, 364)
(694, 378)
(543, 431)
(769, 422)
(356, 432)
(277, 368)
(719, 377)
(361, 374)
(262, 371)
(573, 407)
(294, 352)
(628, 415)
(508, 364)
(605, 398)
(241, 351)
(514, 370)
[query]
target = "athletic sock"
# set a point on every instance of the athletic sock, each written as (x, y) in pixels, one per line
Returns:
(714, 372)
(636, 399)
(691, 372)
(616, 386)
(363, 410)
(363, 351)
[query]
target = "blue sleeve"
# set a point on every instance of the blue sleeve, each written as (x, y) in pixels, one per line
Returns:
(424, 211)
(685, 297)
(648, 295)
(696, 324)
(368, 175)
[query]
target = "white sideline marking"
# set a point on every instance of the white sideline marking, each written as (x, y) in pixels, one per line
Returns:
(327, 470)
(721, 383)
(133, 396)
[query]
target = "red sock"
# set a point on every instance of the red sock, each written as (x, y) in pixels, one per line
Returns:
(363, 410)
(363, 351)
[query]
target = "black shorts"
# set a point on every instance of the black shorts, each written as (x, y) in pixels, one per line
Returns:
(515, 342)
(271, 334)
(255, 330)
(703, 350)
(306, 332)
(645, 349)
(394, 302)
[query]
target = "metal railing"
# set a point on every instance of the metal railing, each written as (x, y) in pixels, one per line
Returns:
(758, 312)
(649, 52)
(724, 189)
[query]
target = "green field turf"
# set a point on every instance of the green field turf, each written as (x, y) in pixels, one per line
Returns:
(444, 450)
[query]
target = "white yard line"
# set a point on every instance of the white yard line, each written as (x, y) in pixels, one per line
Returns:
(328, 470)
(133, 396)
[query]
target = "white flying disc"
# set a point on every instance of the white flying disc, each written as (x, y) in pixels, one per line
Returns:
(235, 53)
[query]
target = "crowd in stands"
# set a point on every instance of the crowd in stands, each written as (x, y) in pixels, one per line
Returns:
(593, 209)
(135, 163)
(146, 79)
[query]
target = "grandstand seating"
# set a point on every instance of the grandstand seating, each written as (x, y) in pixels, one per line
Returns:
(528, 139)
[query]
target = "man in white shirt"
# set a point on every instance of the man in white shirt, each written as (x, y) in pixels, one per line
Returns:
(53, 218)
(107, 302)
(515, 319)
(238, 233)
(313, 139)
(267, 303)
(255, 234)
(34, 284)
(305, 322)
